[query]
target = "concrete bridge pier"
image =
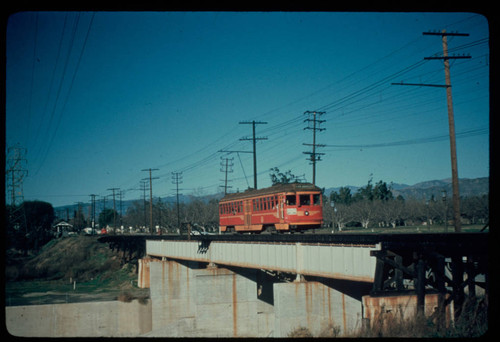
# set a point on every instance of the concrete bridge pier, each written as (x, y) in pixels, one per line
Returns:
(190, 299)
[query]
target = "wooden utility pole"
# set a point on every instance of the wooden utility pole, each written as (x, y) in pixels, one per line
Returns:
(150, 198)
(114, 209)
(177, 179)
(314, 156)
(254, 139)
(451, 122)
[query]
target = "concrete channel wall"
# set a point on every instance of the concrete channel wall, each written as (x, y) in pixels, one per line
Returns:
(92, 319)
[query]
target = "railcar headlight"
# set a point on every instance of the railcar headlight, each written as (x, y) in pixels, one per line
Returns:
(306, 213)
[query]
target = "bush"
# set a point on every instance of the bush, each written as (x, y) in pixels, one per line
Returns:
(472, 322)
(300, 332)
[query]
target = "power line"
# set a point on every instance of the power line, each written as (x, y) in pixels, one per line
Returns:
(70, 86)
(468, 133)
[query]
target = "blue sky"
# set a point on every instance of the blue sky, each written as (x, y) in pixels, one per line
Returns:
(96, 97)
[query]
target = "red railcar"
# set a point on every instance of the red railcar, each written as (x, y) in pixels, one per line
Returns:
(281, 207)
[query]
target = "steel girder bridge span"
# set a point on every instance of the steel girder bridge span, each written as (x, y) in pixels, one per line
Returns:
(447, 264)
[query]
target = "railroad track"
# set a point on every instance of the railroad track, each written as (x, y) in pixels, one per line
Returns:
(473, 242)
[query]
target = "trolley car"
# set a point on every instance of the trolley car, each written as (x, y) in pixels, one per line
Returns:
(279, 208)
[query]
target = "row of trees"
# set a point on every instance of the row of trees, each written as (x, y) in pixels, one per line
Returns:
(375, 206)
(203, 213)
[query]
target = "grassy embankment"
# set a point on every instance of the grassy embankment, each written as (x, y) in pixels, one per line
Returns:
(70, 270)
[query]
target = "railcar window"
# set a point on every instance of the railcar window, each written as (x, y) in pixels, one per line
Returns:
(291, 200)
(316, 199)
(305, 199)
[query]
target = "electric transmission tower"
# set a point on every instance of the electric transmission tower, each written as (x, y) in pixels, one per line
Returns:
(15, 173)
(226, 167)
(92, 198)
(314, 156)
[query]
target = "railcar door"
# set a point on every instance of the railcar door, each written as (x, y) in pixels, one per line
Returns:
(248, 214)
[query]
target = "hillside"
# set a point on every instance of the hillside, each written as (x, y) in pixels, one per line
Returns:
(68, 270)
(424, 190)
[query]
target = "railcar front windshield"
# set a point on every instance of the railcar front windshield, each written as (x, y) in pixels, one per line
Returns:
(291, 200)
(305, 199)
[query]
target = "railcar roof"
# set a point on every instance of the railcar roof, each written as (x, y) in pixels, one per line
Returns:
(291, 187)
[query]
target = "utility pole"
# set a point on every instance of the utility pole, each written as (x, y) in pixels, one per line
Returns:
(120, 194)
(177, 179)
(254, 139)
(314, 156)
(451, 122)
(151, 198)
(143, 188)
(226, 163)
(114, 209)
(92, 196)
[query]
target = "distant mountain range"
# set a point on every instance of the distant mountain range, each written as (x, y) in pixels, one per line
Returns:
(423, 190)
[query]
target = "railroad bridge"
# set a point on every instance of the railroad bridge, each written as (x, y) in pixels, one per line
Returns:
(269, 285)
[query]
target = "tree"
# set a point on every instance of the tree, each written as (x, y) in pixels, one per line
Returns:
(382, 192)
(344, 196)
(364, 193)
(135, 215)
(390, 211)
(340, 214)
(278, 177)
(363, 211)
(107, 217)
(39, 218)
